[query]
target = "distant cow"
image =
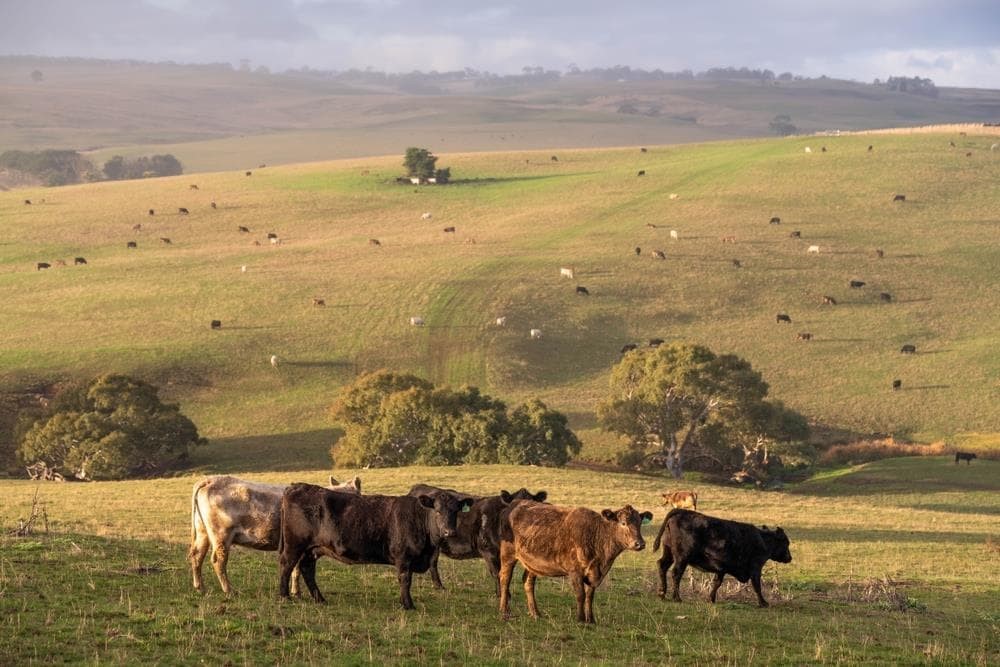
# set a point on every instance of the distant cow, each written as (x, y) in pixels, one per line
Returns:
(554, 158)
(449, 230)
(193, 187)
(857, 284)
(501, 321)
(27, 202)
(879, 253)
(535, 334)
(964, 456)
(374, 242)
(795, 235)
(426, 216)
(227, 511)
(673, 195)
(969, 154)
(823, 149)
(642, 172)
(655, 342)
(899, 198)
(813, 249)
(728, 239)
(885, 296)
(580, 289)
(131, 244)
(638, 251)
(164, 239)
(642, 150)
(416, 321)
(249, 173)
(216, 324)
(401, 531)
(908, 349)
(870, 148)
(243, 230)
(683, 499)
(213, 205)
(42, 265)
(659, 254)
(628, 347)
(137, 227)
(573, 542)
(775, 220)
(737, 263)
(805, 335)
(897, 385)
(674, 235)
(79, 260)
(782, 317)
(567, 272)
(182, 211)
(808, 150)
(719, 546)
(275, 241)
(318, 302)
(651, 225)
(272, 235)
(152, 212)
(829, 301)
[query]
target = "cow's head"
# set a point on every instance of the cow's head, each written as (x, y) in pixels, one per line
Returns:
(445, 509)
(777, 544)
(628, 524)
(522, 494)
(354, 486)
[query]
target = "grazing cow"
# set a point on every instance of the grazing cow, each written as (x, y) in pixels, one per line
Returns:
(501, 321)
(994, 147)
(642, 172)
(829, 301)
(795, 235)
(728, 239)
(152, 212)
(719, 546)
(272, 235)
(681, 499)
(737, 263)
(870, 148)
(638, 251)
(951, 143)
(897, 385)
(319, 302)
(650, 225)
(964, 456)
(274, 362)
(374, 242)
(416, 321)
(673, 195)
(79, 260)
(426, 216)
(908, 349)
(823, 149)
(27, 202)
(782, 317)
(243, 268)
(565, 272)
(674, 235)
(813, 249)
(808, 150)
(885, 296)
(275, 241)
(192, 187)
(659, 254)
(580, 289)
(42, 265)
(402, 531)
(182, 211)
(243, 230)
(574, 542)
(628, 347)
(213, 205)
(227, 511)
(535, 334)
(477, 531)
(879, 253)
(642, 150)
(554, 158)
(449, 230)
(775, 221)
(249, 173)
(137, 227)
(655, 342)
(969, 154)
(256, 243)
(131, 244)
(805, 335)
(216, 324)
(857, 284)
(262, 165)
(899, 198)
(164, 239)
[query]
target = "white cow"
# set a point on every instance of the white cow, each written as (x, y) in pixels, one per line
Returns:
(814, 249)
(417, 321)
(808, 150)
(674, 235)
(426, 216)
(535, 334)
(243, 268)
(567, 272)
(994, 147)
(226, 511)
(502, 321)
(274, 360)
(673, 195)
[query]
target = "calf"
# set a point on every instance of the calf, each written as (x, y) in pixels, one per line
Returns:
(719, 546)
(684, 499)
(964, 456)
(580, 289)
(899, 198)
(857, 284)
(226, 511)
(574, 542)
(216, 324)
(782, 317)
(908, 349)
(402, 531)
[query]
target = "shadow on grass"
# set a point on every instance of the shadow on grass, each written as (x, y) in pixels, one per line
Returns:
(276, 452)
(924, 387)
(320, 363)
(904, 536)
(958, 509)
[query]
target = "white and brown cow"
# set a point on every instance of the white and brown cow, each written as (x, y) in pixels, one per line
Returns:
(226, 511)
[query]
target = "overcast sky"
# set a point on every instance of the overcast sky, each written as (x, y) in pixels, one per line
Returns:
(953, 42)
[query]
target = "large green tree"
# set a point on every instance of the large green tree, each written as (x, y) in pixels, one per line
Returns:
(110, 428)
(419, 162)
(674, 399)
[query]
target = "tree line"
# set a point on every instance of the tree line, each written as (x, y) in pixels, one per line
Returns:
(66, 167)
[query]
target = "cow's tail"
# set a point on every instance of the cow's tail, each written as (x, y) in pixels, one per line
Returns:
(196, 516)
(663, 528)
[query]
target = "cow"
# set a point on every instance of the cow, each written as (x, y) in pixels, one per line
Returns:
(131, 244)
(216, 324)
(829, 301)
(42, 265)
(242, 229)
(813, 249)
(642, 150)
(674, 235)
(213, 205)
(27, 202)
(628, 347)
(908, 349)
(822, 149)
(402, 531)
(274, 364)
(885, 296)
(262, 165)
(951, 143)
(719, 546)
(501, 321)
(737, 263)
(805, 335)
(477, 531)
(192, 187)
(728, 239)
(897, 385)
(426, 216)
(870, 148)
(673, 195)
(275, 241)
(580, 289)
(650, 225)
(775, 221)
(857, 284)
(152, 212)
(164, 239)
(795, 235)
(243, 268)
(899, 198)
(782, 317)
(642, 172)
(969, 154)
(655, 342)
(554, 158)
(60, 262)
(567, 272)
(249, 173)
(227, 511)
(994, 147)
(318, 302)
(374, 242)
(638, 251)
(964, 456)
(449, 230)
(272, 235)
(684, 499)
(535, 334)
(659, 254)
(182, 211)
(79, 260)
(416, 321)
(808, 150)
(137, 227)
(879, 253)
(574, 542)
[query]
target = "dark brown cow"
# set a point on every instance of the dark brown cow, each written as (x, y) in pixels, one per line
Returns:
(795, 235)
(164, 239)
(182, 211)
(79, 260)
(870, 148)
(580, 289)
(554, 158)
(885, 296)
(213, 205)
(374, 242)
(879, 253)
(659, 254)
(42, 265)
(782, 317)
(402, 531)
(638, 250)
(628, 347)
(897, 385)
(131, 244)
(737, 263)
(719, 546)
(574, 542)
(27, 202)
(775, 220)
(899, 198)
(908, 349)
(272, 235)
(249, 173)
(857, 284)
(192, 187)
(216, 324)
(242, 229)
(152, 212)
(642, 172)
(137, 227)
(655, 342)
(964, 456)
(319, 302)
(449, 230)
(805, 335)
(642, 150)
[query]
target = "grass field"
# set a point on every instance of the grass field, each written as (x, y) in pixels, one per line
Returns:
(894, 562)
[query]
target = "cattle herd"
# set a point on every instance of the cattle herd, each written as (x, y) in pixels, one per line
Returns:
(303, 522)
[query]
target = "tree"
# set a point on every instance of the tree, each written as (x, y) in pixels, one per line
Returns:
(671, 400)
(782, 125)
(37, 76)
(111, 428)
(538, 436)
(419, 162)
(114, 169)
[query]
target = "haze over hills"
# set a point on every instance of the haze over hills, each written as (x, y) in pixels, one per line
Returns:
(215, 118)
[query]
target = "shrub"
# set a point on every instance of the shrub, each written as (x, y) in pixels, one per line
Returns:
(865, 451)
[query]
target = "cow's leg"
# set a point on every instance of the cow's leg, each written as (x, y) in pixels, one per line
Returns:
(307, 566)
(676, 575)
(288, 560)
(529, 593)
(665, 562)
(492, 561)
(755, 580)
(719, 576)
(435, 575)
(507, 562)
(589, 589)
(200, 546)
(576, 580)
(405, 581)
(220, 557)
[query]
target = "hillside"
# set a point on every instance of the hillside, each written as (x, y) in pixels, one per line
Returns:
(213, 118)
(519, 216)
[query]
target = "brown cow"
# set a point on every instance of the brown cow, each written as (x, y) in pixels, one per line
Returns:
(574, 542)
(319, 302)
(226, 511)
(683, 499)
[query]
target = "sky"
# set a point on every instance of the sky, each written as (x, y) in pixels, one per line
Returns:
(953, 42)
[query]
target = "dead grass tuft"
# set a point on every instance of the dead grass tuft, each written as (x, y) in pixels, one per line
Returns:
(865, 451)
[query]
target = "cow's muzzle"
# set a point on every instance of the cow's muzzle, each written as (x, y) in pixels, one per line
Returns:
(639, 545)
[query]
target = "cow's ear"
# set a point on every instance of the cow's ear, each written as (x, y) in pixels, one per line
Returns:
(541, 496)
(506, 497)
(779, 530)
(357, 483)
(333, 481)
(426, 501)
(609, 515)
(646, 517)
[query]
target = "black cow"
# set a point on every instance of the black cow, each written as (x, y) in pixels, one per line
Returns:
(79, 260)
(642, 172)
(272, 235)
(42, 265)
(964, 456)
(628, 347)
(897, 385)
(908, 349)
(899, 198)
(164, 239)
(152, 212)
(242, 229)
(885, 296)
(27, 202)
(182, 211)
(402, 531)
(216, 324)
(879, 253)
(857, 284)
(775, 220)
(638, 250)
(655, 342)
(580, 289)
(782, 317)
(131, 244)
(795, 235)
(449, 230)
(478, 530)
(719, 546)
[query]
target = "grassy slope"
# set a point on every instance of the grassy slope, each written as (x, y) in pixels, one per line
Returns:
(891, 565)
